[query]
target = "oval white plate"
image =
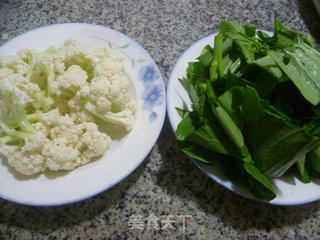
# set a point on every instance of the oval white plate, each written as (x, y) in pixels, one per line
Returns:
(125, 154)
(290, 191)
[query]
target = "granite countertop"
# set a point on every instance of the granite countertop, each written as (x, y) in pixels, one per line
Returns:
(167, 184)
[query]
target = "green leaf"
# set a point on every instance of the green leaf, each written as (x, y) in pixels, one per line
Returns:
(232, 131)
(284, 37)
(274, 142)
(302, 66)
(213, 72)
(212, 137)
(302, 169)
(200, 153)
(228, 125)
(314, 158)
(182, 112)
(264, 37)
(186, 83)
(258, 183)
(228, 27)
(196, 69)
(232, 80)
(309, 41)
(269, 67)
(231, 102)
(207, 134)
(205, 59)
(218, 54)
(231, 57)
(247, 50)
(187, 126)
(206, 49)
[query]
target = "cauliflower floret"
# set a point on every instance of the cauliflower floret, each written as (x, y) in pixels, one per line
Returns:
(99, 86)
(4, 72)
(26, 163)
(13, 84)
(75, 103)
(44, 58)
(99, 91)
(132, 105)
(119, 87)
(81, 116)
(51, 55)
(119, 93)
(77, 111)
(42, 128)
(71, 80)
(29, 159)
(84, 91)
(108, 68)
(26, 54)
(103, 104)
(63, 153)
(96, 143)
(51, 118)
(110, 95)
(14, 63)
(60, 156)
(113, 54)
(73, 48)
(65, 127)
(22, 83)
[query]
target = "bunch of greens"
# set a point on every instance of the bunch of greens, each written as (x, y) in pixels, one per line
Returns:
(255, 106)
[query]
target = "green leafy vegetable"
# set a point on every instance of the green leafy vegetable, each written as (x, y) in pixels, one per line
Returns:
(255, 101)
(274, 143)
(302, 169)
(314, 158)
(259, 183)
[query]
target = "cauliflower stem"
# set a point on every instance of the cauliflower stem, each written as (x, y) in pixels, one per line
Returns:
(122, 118)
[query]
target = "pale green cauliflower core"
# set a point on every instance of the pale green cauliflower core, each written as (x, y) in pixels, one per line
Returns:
(50, 101)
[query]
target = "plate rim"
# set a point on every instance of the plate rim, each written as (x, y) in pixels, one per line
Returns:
(147, 151)
(169, 86)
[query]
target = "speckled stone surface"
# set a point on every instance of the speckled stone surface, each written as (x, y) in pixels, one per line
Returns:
(167, 183)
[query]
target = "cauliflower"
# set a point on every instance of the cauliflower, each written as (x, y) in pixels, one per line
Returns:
(71, 80)
(4, 72)
(60, 156)
(95, 143)
(49, 102)
(14, 63)
(64, 127)
(17, 83)
(28, 160)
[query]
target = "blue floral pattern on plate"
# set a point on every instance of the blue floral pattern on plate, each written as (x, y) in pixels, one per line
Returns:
(153, 94)
(148, 74)
(153, 116)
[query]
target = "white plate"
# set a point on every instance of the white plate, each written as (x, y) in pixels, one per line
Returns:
(290, 191)
(126, 154)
